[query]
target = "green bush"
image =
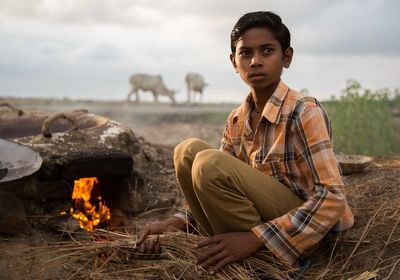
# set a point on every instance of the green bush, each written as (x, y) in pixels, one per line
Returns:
(362, 121)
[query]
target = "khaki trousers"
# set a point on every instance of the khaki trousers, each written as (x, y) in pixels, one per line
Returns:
(225, 194)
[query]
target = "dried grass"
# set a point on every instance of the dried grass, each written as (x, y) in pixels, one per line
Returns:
(106, 254)
(111, 255)
(370, 250)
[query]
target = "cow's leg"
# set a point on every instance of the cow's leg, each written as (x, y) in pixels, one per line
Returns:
(128, 98)
(189, 95)
(173, 100)
(155, 97)
(194, 97)
(137, 96)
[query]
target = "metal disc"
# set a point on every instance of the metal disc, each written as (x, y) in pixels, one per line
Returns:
(17, 161)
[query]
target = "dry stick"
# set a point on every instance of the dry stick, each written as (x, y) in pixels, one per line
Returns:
(128, 270)
(355, 241)
(154, 210)
(108, 259)
(81, 252)
(366, 275)
(46, 253)
(363, 184)
(346, 264)
(33, 264)
(57, 265)
(394, 241)
(94, 266)
(395, 214)
(76, 272)
(183, 272)
(74, 255)
(386, 243)
(166, 273)
(44, 216)
(388, 260)
(73, 239)
(392, 270)
(331, 259)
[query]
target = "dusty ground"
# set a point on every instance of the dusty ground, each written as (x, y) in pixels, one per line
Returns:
(157, 123)
(371, 247)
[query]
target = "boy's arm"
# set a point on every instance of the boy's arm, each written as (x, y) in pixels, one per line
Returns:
(292, 234)
(226, 141)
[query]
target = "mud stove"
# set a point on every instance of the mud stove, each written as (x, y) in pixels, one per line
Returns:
(86, 172)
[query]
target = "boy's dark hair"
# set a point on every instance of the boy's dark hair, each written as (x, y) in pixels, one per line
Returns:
(264, 20)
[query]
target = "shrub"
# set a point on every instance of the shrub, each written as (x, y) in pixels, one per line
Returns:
(362, 121)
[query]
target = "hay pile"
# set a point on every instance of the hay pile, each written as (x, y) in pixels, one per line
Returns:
(370, 250)
(111, 255)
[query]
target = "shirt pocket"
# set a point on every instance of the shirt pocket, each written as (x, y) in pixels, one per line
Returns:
(274, 168)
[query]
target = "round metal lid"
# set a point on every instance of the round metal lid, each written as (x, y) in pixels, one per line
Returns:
(17, 161)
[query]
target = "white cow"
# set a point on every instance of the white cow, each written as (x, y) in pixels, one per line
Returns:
(151, 83)
(195, 83)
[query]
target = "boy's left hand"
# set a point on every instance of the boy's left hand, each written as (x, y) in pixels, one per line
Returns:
(227, 248)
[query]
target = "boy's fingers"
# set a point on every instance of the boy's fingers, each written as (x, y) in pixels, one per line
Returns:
(207, 254)
(143, 235)
(208, 241)
(142, 248)
(213, 260)
(224, 262)
(151, 247)
(158, 249)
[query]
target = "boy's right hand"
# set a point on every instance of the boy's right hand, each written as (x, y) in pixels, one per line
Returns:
(152, 247)
(154, 228)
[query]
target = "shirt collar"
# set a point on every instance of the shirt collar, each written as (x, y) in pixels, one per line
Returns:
(273, 107)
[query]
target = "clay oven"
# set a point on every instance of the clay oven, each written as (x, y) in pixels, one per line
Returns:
(76, 147)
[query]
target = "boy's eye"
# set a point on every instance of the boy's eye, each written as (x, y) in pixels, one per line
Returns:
(244, 53)
(267, 50)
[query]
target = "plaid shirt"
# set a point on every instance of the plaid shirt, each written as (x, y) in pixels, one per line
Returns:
(293, 144)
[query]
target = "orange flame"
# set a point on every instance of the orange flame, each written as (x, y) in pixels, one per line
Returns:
(89, 215)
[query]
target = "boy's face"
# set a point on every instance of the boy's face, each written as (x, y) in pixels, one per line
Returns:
(259, 59)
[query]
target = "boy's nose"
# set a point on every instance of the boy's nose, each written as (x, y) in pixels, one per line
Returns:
(256, 60)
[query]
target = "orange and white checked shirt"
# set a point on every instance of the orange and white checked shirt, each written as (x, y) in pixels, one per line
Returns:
(293, 144)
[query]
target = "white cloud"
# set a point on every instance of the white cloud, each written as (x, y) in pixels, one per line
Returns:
(90, 48)
(352, 27)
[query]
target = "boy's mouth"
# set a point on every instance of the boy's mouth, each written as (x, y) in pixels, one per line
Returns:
(256, 76)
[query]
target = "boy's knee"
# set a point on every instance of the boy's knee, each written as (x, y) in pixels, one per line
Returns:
(188, 149)
(204, 166)
(184, 146)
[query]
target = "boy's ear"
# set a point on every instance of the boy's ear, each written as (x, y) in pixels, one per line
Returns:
(287, 57)
(232, 58)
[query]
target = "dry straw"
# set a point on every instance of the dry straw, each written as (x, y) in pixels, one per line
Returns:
(369, 250)
(106, 254)
(111, 255)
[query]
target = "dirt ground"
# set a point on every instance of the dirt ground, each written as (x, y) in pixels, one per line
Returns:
(157, 123)
(370, 250)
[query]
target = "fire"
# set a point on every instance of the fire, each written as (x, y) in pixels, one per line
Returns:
(89, 211)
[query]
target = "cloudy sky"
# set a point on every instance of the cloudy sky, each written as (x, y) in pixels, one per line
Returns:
(88, 49)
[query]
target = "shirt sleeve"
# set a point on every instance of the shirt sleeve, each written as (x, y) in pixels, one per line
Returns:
(292, 234)
(226, 141)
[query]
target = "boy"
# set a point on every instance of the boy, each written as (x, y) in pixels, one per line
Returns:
(275, 181)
